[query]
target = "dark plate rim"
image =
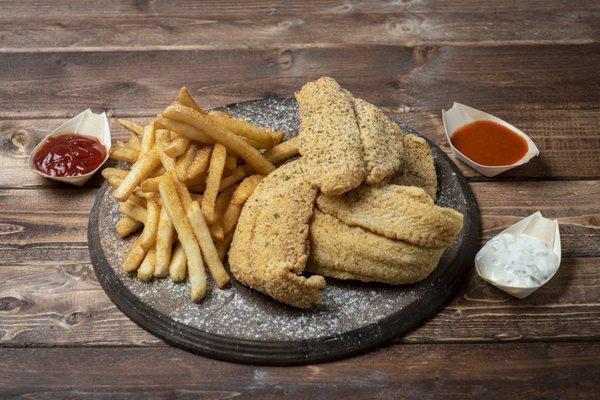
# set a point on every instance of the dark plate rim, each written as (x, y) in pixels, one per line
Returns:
(298, 352)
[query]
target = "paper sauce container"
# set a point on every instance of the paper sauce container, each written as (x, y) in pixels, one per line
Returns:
(87, 123)
(537, 226)
(460, 115)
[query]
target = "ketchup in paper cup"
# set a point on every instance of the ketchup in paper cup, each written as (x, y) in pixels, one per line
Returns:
(74, 151)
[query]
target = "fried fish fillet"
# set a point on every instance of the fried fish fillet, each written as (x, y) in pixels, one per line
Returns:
(329, 138)
(348, 252)
(418, 168)
(404, 213)
(270, 245)
(382, 143)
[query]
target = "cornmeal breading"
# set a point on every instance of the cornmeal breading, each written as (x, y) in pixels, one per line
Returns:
(404, 213)
(381, 142)
(270, 245)
(348, 252)
(329, 138)
(418, 168)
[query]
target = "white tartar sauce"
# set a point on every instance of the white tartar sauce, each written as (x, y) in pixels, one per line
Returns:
(517, 260)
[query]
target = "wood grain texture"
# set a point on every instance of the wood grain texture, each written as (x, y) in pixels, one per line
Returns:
(49, 294)
(424, 77)
(532, 371)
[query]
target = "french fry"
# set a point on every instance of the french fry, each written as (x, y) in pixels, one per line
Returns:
(146, 270)
(184, 129)
(123, 153)
(222, 201)
(213, 180)
(283, 151)
(230, 217)
(186, 99)
(277, 137)
(148, 236)
(134, 257)
(223, 245)
(221, 135)
(243, 128)
(132, 126)
(150, 185)
(127, 225)
(172, 203)
(164, 243)
(184, 162)
(134, 143)
(162, 140)
(138, 172)
(178, 265)
(245, 189)
(177, 147)
(230, 164)
(200, 162)
(134, 211)
(114, 172)
(135, 199)
(148, 138)
(216, 232)
(138, 192)
(240, 173)
(114, 181)
(209, 251)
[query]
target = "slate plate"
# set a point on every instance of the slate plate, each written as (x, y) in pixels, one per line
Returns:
(242, 325)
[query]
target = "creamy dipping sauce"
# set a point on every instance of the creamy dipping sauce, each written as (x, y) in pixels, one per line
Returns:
(517, 260)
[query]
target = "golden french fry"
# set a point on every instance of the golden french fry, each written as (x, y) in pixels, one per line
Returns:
(243, 128)
(134, 143)
(209, 251)
(127, 225)
(183, 162)
(230, 217)
(134, 211)
(114, 172)
(148, 236)
(162, 140)
(223, 246)
(146, 270)
(283, 151)
(132, 126)
(134, 257)
(135, 199)
(148, 138)
(222, 201)
(245, 189)
(178, 265)
(240, 173)
(186, 99)
(199, 164)
(277, 137)
(172, 203)
(164, 243)
(196, 197)
(138, 172)
(150, 185)
(177, 147)
(123, 153)
(213, 181)
(216, 232)
(184, 130)
(114, 181)
(221, 135)
(138, 192)
(230, 164)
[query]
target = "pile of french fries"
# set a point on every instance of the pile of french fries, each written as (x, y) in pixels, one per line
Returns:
(191, 172)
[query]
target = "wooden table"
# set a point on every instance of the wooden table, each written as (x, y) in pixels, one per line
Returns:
(534, 63)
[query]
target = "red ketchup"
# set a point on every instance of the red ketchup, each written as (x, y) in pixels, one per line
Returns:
(69, 155)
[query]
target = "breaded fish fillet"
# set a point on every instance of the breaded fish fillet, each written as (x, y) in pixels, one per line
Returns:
(348, 252)
(329, 138)
(418, 168)
(404, 213)
(270, 245)
(381, 142)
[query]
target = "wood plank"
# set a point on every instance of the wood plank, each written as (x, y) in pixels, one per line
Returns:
(567, 140)
(532, 371)
(430, 78)
(49, 294)
(479, 26)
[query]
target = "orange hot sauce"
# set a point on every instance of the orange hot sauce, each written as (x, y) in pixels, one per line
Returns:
(489, 143)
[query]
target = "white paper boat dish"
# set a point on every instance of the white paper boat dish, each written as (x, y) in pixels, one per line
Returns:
(86, 123)
(537, 226)
(460, 115)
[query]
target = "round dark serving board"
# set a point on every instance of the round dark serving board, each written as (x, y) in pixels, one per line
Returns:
(241, 325)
